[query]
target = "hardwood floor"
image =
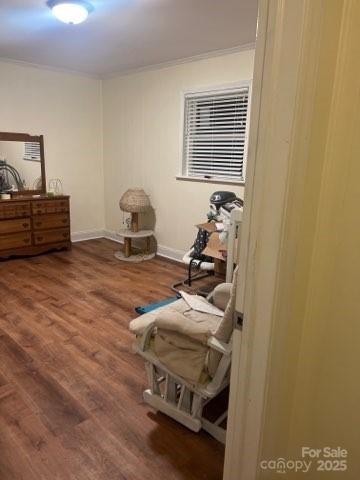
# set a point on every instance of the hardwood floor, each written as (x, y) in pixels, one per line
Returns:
(70, 388)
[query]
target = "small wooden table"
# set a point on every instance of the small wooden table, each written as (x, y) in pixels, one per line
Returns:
(127, 255)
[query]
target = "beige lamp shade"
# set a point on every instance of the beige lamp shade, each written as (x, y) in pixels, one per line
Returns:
(134, 200)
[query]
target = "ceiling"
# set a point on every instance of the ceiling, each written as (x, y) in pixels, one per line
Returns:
(124, 35)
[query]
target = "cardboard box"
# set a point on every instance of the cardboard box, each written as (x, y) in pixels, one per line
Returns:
(211, 226)
(215, 248)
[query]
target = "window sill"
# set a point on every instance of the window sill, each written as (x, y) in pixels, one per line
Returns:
(223, 181)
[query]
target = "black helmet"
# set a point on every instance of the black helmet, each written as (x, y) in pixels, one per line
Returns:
(220, 198)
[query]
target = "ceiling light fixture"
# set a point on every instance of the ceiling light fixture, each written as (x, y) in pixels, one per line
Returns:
(70, 11)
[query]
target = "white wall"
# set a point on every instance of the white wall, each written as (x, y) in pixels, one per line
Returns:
(142, 125)
(67, 110)
(139, 116)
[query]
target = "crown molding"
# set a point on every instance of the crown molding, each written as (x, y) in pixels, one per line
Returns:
(49, 68)
(131, 71)
(181, 61)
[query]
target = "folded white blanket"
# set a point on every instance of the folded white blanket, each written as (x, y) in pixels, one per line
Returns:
(200, 304)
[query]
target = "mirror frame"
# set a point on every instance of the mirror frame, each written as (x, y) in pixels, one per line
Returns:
(25, 137)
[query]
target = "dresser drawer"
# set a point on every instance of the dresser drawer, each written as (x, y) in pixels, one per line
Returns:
(55, 220)
(52, 236)
(14, 210)
(41, 207)
(15, 240)
(13, 226)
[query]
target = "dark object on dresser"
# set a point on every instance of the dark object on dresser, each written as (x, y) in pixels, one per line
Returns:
(29, 226)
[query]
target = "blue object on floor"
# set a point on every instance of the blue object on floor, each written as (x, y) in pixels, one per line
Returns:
(154, 306)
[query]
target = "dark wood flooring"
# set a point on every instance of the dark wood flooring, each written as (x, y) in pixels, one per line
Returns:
(70, 388)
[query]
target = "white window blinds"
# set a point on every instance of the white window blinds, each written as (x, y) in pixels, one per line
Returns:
(215, 134)
(32, 151)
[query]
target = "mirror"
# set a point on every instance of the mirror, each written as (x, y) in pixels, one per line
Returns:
(22, 163)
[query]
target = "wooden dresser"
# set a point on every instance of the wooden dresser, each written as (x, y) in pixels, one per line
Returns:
(29, 226)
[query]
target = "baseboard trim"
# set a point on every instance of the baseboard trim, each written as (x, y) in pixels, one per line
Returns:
(171, 253)
(111, 235)
(86, 235)
(162, 251)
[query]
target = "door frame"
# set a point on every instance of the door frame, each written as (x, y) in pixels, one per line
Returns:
(282, 65)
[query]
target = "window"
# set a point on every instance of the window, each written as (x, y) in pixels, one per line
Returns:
(215, 134)
(32, 151)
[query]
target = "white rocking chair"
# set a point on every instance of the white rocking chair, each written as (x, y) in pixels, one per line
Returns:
(174, 341)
